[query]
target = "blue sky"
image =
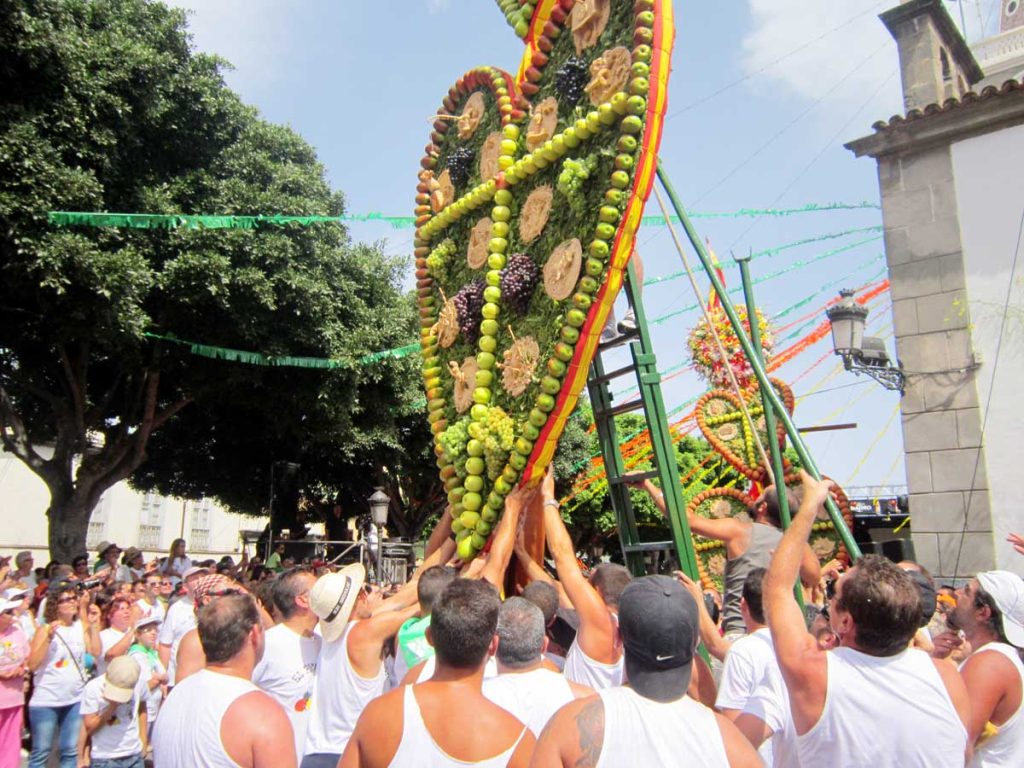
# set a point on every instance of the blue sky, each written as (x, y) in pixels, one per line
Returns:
(763, 95)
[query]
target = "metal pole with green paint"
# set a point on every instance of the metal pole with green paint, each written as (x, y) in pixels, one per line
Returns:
(778, 472)
(768, 392)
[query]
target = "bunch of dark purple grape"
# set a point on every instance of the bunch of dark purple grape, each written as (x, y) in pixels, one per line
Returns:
(468, 303)
(518, 281)
(570, 80)
(460, 165)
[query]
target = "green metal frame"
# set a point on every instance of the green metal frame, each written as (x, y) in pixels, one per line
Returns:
(768, 393)
(645, 369)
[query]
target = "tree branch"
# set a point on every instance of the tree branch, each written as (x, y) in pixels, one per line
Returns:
(76, 386)
(14, 435)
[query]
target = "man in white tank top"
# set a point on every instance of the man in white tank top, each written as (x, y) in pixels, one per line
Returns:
(217, 718)
(651, 722)
(446, 722)
(990, 612)
(595, 657)
(525, 686)
(873, 701)
(350, 669)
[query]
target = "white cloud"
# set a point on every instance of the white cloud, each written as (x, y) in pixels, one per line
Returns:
(254, 35)
(438, 6)
(816, 56)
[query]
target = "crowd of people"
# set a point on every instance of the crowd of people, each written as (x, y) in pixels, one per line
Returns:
(122, 662)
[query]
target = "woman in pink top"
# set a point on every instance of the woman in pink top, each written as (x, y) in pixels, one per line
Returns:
(13, 656)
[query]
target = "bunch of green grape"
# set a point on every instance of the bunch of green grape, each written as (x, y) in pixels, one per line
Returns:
(437, 261)
(497, 436)
(571, 181)
(453, 441)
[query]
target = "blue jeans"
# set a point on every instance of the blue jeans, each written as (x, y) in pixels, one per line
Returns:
(132, 761)
(54, 723)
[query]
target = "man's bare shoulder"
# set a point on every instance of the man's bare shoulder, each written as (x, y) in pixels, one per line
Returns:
(574, 736)
(254, 704)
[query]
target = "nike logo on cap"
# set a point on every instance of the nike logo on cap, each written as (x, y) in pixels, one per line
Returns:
(659, 657)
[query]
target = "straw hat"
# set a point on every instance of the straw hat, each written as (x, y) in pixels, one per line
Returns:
(334, 596)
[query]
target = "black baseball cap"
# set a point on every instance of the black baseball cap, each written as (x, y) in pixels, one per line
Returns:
(658, 622)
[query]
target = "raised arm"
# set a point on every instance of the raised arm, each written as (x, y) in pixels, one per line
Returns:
(724, 529)
(504, 538)
(366, 639)
(803, 665)
(535, 573)
(717, 645)
(596, 634)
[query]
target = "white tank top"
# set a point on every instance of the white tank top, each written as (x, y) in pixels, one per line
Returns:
(533, 697)
(419, 750)
(188, 730)
(339, 698)
(885, 711)
(1006, 748)
(643, 732)
(582, 669)
(430, 666)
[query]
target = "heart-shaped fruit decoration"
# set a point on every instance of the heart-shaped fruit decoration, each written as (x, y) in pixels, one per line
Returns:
(825, 540)
(715, 504)
(720, 417)
(728, 502)
(530, 196)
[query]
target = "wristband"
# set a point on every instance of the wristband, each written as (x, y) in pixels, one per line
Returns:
(552, 503)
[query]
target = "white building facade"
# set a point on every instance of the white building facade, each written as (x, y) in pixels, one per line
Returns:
(123, 516)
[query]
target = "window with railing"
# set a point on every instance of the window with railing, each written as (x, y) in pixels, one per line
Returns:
(200, 537)
(97, 524)
(151, 521)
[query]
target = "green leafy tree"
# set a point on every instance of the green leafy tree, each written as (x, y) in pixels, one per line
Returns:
(104, 106)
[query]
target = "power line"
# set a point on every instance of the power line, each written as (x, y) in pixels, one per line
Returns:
(769, 65)
(810, 108)
(822, 151)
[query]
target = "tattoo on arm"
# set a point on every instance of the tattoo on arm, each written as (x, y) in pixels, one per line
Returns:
(590, 725)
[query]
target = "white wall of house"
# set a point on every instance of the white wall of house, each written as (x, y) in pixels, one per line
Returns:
(124, 516)
(989, 177)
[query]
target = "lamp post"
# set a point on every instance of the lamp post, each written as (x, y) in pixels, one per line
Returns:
(860, 353)
(380, 502)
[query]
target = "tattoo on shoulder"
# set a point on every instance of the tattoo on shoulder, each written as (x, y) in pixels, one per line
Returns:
(590, 724)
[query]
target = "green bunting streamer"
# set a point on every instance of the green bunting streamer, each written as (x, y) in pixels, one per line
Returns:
(284, 361)
(203, 221)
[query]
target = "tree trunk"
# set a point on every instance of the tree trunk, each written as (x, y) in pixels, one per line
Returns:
(69, 517)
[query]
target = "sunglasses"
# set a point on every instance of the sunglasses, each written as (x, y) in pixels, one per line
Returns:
(69, 599)
(9, 613)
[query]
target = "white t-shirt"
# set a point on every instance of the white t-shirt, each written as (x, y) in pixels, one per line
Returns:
(157, 609)
(120, 736)
(109, 637)
(533, 697)
(287, 672)
(28, 626)
(748, 661)
(180, 620)
(770, 703)
(150, 665)
(59, 680)
(179, 565)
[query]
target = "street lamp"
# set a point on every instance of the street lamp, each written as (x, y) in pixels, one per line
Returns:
(860, 353)
(380, 502)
